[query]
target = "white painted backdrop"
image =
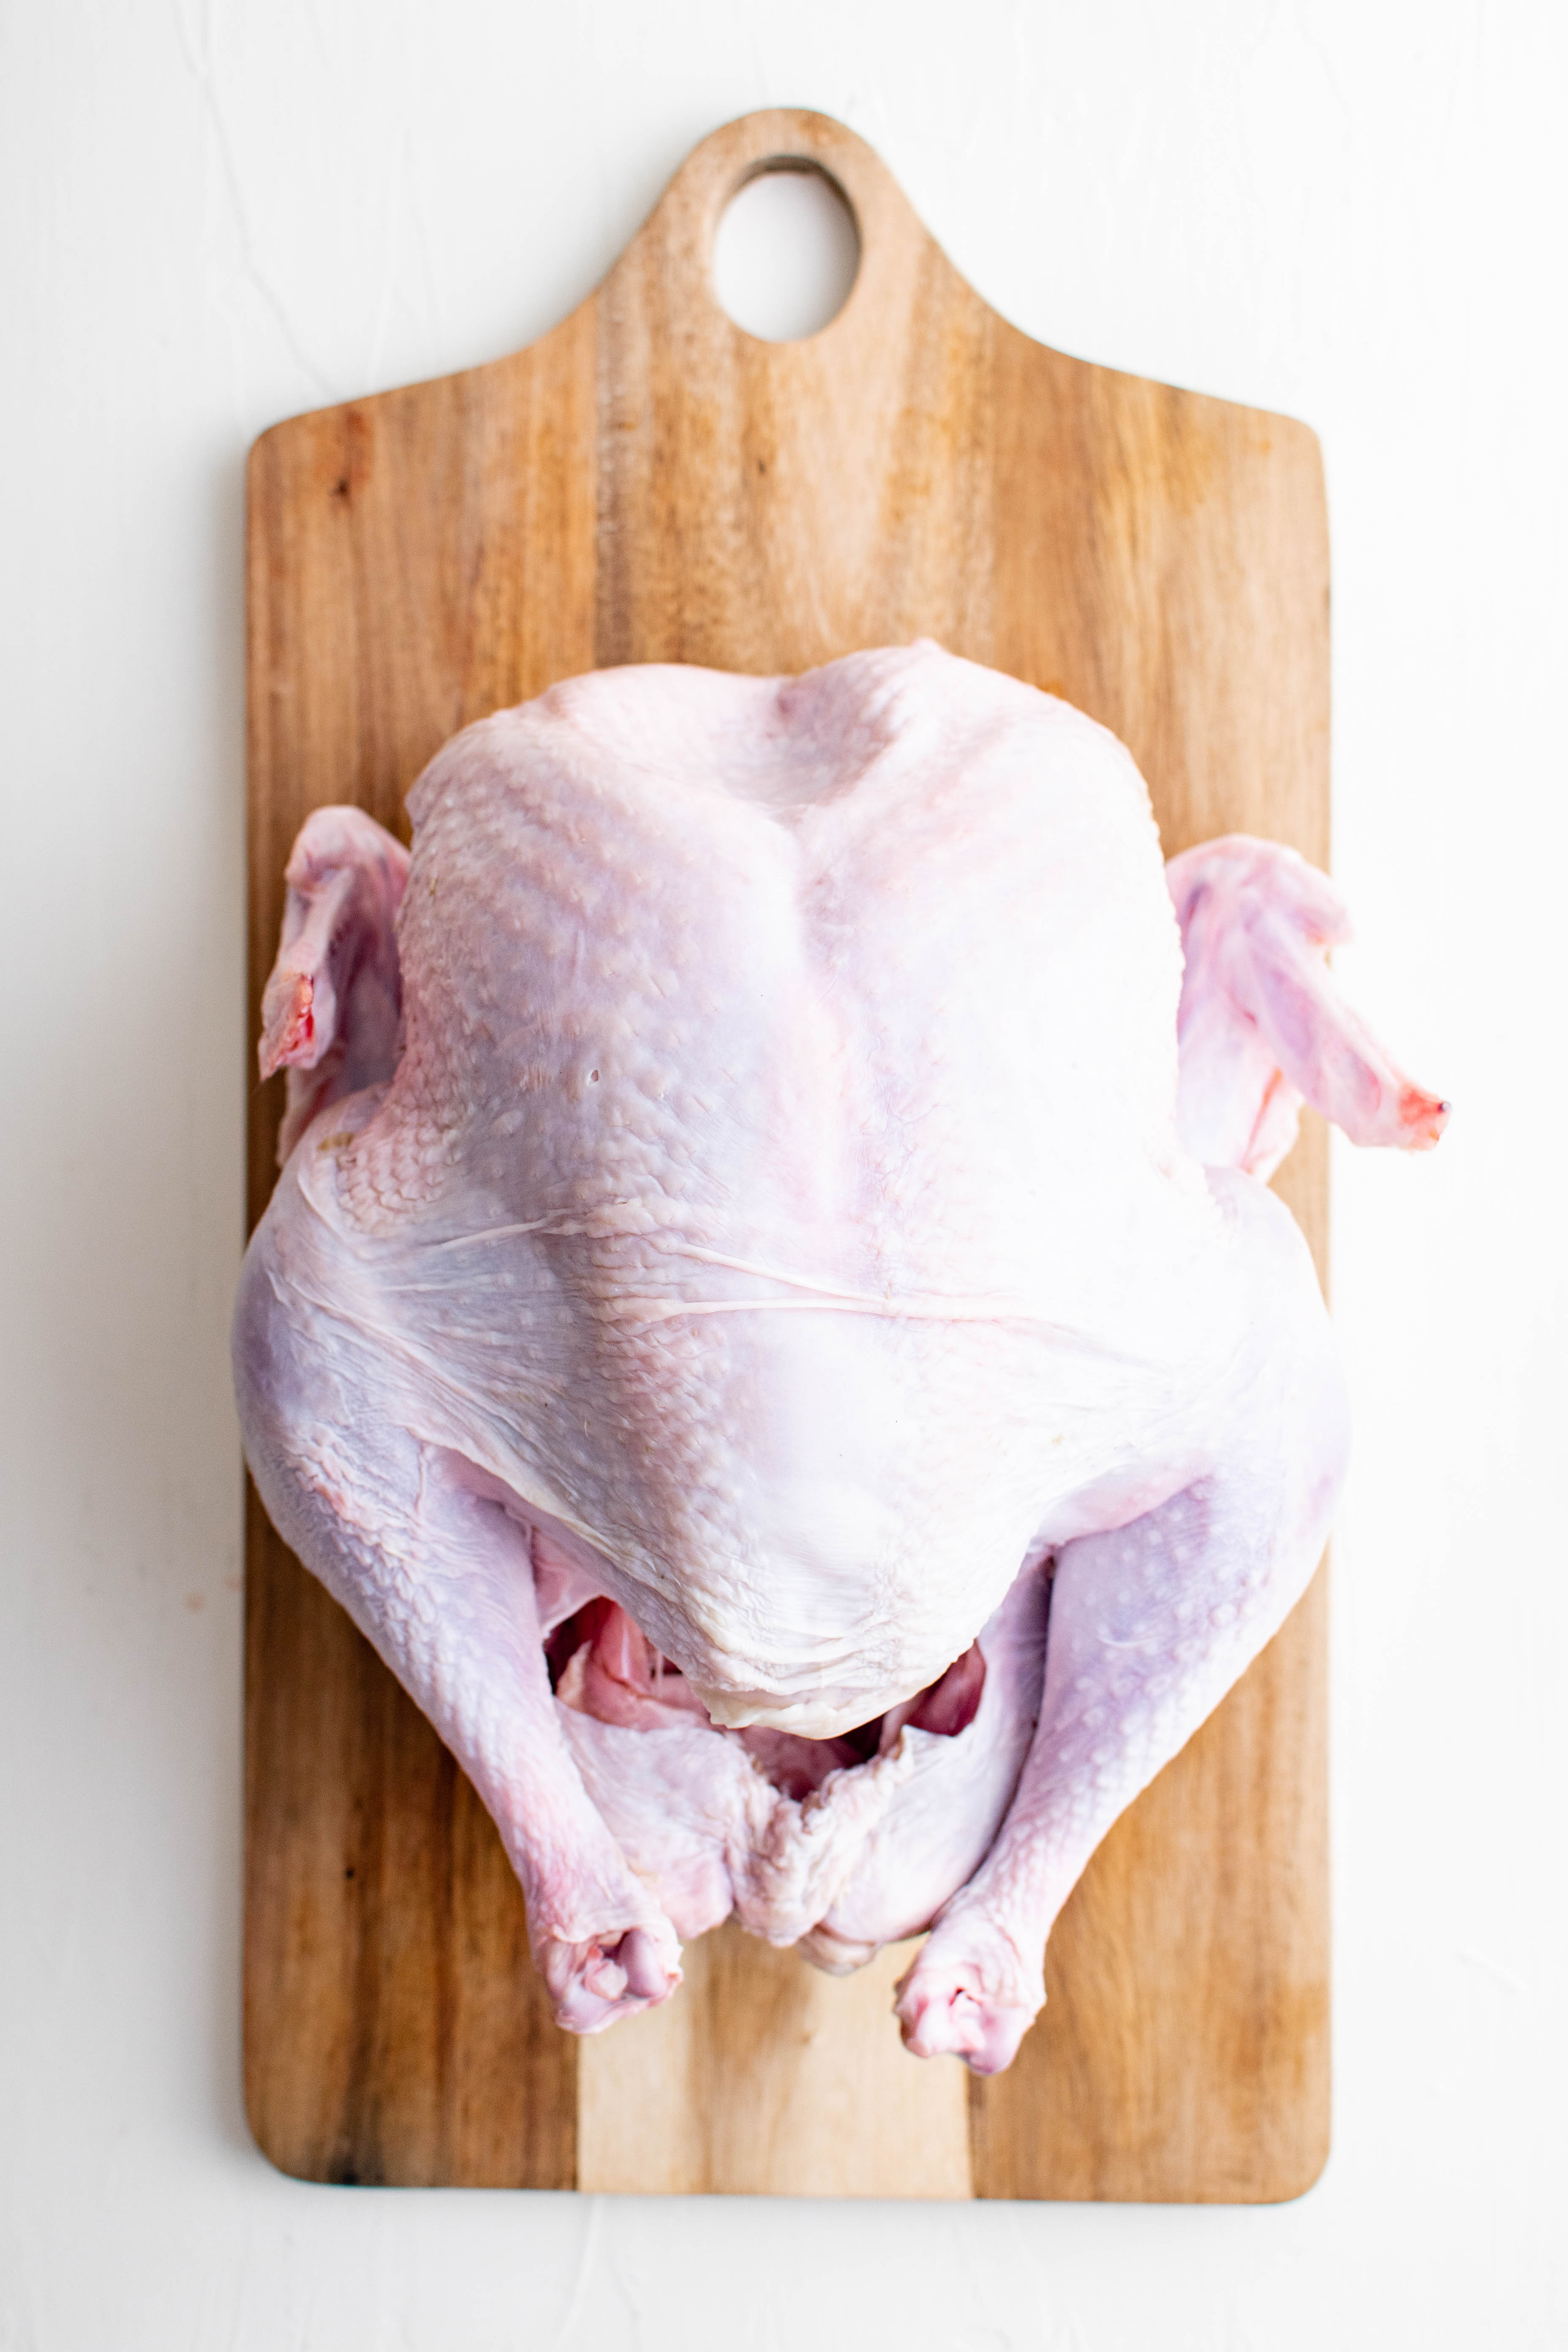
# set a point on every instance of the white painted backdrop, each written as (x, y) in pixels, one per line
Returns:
(214, 215)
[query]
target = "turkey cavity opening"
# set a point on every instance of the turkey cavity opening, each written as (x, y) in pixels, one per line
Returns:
(603, 1666)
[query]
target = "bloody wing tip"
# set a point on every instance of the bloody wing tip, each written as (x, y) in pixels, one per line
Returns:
(288, 1026)
(1423, 1116)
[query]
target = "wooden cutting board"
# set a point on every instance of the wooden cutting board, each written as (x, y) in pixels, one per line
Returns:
(650, 483)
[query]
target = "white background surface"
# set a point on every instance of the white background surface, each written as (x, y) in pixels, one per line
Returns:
(214, 215)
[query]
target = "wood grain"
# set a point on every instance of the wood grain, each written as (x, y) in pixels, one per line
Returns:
(650, 483)
(765, 2076)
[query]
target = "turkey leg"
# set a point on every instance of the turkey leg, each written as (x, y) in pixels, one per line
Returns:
(412, 1540)
(1151, 1625)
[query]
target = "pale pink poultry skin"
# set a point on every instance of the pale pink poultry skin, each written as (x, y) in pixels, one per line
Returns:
(805, 1232)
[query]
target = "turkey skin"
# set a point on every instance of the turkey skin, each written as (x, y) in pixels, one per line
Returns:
(769, 1320)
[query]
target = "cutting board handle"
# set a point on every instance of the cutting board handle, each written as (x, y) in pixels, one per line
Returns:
(684, 222)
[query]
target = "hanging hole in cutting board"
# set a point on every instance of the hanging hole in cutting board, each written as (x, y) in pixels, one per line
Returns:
(786, 252)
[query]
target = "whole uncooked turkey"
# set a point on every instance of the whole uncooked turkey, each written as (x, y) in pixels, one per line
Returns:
(771, 1321)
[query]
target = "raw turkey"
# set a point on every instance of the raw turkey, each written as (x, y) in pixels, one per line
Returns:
(771, 1322)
